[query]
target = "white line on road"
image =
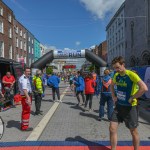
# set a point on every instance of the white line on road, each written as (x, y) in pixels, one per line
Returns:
(34, 136)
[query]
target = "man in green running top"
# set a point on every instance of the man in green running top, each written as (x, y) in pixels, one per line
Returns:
(126, 101)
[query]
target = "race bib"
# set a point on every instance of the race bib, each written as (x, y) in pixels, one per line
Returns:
(121, 95)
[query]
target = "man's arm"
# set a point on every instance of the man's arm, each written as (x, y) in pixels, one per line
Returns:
(28, 101)
(142, 89)
(113, 92)
(14, 80)
(4, 82)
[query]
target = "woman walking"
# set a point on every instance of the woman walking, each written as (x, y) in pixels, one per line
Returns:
(89, 90)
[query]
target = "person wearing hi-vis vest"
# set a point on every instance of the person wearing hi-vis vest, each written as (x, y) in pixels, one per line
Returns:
(38, 91)
(26, 95)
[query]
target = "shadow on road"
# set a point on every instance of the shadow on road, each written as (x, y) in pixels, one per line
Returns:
(144, 122)
(77, 107)
(69, 103)
(91, 145)
(96, 111)
(89, 115)
(13, 124)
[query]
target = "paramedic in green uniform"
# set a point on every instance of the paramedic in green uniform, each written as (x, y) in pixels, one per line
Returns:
(126, 101)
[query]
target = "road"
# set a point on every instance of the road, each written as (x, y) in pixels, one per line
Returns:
(64, 124)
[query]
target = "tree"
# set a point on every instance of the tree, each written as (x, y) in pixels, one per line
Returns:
(49, 70)
(91, 68)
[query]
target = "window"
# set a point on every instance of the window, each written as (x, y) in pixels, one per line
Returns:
(17, 57)
(119, 35)
(30, 61)
(32, 41)
(110, 32)
(25, 59)
(1, 11)
(9, 18)
(113, 40)
(16, 29)
(29, 39)
(29, 50)
(24, 46)
(1, 27)
(10, 33)
(10, 52)
(24, 35)
(32, 50)
(122, 32)
(20, 32)
(121, 18)
(1, 49)
(17, 42)
(20, 44)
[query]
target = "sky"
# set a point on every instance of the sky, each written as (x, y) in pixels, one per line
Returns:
(65, 24)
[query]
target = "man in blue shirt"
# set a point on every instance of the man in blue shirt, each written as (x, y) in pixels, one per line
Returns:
(79, 83)
(54, 81)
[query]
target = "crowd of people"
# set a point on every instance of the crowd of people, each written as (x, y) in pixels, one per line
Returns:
(119, 89)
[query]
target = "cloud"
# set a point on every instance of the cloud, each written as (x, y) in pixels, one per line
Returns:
(50, 47)
(92, 47)
(100, 8)
(78, 43)
(19, 5)
(67, 49)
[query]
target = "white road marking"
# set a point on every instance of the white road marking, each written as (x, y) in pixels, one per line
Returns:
(34, 136)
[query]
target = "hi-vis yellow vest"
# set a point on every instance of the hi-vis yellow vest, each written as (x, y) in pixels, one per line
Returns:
(37, 81)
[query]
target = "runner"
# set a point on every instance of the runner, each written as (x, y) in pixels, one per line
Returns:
(126, 101)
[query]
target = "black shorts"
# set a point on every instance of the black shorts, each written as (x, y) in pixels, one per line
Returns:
(128, 114)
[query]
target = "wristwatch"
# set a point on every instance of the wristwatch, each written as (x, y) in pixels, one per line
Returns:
(130, 100)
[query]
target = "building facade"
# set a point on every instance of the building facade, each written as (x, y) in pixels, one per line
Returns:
(30, 48)
(37, 51)
(137, 14)
(102, 49)
(43, 49)
(6, 31)
(20, 42)
(116, 35)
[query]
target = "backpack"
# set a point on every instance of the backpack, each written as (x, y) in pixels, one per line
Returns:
(106, 85)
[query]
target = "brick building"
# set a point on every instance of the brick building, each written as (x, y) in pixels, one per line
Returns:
(20, 42)
(102, 50)
(6, 31)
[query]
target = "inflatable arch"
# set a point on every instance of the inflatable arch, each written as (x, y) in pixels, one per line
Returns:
(48, 57)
